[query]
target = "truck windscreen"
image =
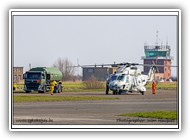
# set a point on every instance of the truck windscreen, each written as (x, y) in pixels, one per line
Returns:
(33, 75)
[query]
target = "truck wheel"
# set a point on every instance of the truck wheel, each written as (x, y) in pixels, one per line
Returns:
(45, 87)
(44, 90)
(62, 88)
(59, 88)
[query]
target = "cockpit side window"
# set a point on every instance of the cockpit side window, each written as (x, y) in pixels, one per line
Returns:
(122, 78)
(127, 79)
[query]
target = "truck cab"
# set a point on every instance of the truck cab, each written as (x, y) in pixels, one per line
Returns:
(38, 79)
(34, 81)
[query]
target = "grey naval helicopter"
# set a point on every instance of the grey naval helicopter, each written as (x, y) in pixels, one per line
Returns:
(128, 78)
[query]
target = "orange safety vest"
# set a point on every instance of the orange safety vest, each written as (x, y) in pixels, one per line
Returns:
(153, 87)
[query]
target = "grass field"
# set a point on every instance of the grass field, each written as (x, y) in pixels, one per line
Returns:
(165, 86)
(50, 98)
(80, 87)
(172, 115)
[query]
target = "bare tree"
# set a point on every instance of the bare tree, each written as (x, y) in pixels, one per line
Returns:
(66, 67)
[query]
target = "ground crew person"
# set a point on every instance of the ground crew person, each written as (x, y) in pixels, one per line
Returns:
(55, 87)
(52, 85)
(153, 87)
(14, 87)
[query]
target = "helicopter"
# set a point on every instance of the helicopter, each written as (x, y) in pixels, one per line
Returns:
(128, 78)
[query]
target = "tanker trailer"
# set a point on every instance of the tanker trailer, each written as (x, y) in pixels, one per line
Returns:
(39, 79)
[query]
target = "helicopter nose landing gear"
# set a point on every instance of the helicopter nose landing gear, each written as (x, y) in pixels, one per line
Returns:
(117, 92)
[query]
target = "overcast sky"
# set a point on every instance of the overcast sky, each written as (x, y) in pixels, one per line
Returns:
(41, 40)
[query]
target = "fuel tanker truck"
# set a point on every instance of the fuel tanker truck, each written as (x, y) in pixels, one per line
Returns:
(39, 79)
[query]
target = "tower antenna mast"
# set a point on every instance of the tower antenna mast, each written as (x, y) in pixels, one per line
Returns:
(157, 38)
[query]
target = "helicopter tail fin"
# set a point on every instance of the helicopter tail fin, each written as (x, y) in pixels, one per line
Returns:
(151, 73)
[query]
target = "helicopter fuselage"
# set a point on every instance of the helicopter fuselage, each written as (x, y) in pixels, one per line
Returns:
(128, 83)
(130, 79)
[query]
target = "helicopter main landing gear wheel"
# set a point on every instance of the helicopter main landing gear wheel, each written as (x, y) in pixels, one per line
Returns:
(114, 92)
(142, 92)
(119, 92)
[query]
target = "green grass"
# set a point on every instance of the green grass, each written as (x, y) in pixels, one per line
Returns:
(68, 87)
(164, 86)
(80, 87)
(73, 85)
(25, 98)
(172, 115)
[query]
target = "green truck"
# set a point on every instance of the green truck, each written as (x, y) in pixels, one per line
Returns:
(39, 79)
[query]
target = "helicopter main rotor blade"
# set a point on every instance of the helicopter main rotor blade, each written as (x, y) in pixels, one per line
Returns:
(94, 65)
(122, 64)
(157, 65)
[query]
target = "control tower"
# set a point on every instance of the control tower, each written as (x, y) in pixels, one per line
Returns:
(158, 54)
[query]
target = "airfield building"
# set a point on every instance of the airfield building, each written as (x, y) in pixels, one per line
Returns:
(17, 74)
(100, 73)
(159, 55)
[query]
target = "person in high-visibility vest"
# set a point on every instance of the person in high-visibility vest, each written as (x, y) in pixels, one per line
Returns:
(52, 85)
(153, 87)
(14, 86)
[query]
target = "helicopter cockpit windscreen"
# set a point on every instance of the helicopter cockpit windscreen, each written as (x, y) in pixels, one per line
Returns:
(123, 78)
(114, 77)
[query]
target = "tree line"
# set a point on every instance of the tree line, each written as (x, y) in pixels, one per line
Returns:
(67, 68)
